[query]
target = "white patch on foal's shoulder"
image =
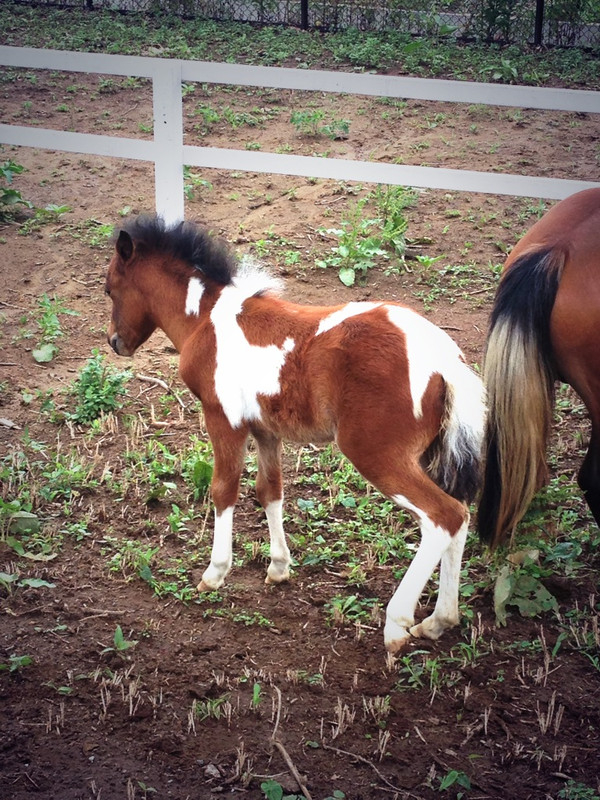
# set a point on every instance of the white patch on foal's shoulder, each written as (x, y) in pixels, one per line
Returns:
(244, 371)
(346, 312)
(429, 350)
(194, 294)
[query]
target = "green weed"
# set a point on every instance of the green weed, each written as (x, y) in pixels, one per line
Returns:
(10, 198)
(98, 389)
(577, 791)
(16, 663)
(520, 586)
(452, 780)
(315, 123)
(120, 644)
(50, 328)
(194, 184)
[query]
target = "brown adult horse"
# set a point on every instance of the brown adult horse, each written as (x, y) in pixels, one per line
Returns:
(545, 326)
(387, 385)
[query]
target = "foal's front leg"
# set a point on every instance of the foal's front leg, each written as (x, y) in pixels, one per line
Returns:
(269, 491)
(229, 447)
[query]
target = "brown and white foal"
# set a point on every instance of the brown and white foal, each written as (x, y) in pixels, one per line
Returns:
(387, 385)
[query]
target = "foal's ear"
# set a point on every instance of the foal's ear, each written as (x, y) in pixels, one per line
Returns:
(124, 245)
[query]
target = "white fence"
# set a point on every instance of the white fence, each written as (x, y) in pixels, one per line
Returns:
(169, 153)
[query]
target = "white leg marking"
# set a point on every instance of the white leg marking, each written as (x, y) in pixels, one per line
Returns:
(445, 614)
(279, 568)
(400, 614)
(221, 557)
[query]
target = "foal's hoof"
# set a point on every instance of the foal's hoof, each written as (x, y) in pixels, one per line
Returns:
(395, 637)
(397, 645)
(275, 575)
(431, 628)
(204, 587)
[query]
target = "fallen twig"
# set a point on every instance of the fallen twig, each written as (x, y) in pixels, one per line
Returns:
(162, 384)
(286, 756)
(364, 760)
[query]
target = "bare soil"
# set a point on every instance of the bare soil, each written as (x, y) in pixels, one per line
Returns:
(521, 718)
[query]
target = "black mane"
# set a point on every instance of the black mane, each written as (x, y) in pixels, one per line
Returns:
(185, 241)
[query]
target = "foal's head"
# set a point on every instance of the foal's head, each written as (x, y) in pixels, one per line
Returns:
(149, 260)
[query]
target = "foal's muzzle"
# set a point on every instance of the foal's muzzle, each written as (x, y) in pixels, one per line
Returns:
(117, 345)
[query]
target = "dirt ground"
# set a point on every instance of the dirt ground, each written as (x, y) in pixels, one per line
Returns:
(520, 715)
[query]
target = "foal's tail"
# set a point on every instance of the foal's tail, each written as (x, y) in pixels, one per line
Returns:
(519, 376)
(454, 458)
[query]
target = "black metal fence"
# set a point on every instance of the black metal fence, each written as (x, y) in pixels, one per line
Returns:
(564, 23)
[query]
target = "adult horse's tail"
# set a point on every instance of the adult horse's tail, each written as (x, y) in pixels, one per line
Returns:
(519, 375)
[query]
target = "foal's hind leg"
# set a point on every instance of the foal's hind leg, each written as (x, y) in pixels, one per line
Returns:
(443, 522)
(269, 491)
(445, 614)
(442, 540)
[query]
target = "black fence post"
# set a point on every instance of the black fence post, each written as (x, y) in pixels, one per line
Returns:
(539, 23)
(304, 14)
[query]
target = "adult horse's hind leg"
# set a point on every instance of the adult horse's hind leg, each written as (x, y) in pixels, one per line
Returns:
(589, 475)
(269, 492)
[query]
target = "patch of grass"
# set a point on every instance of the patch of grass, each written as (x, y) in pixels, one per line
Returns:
(173, 37)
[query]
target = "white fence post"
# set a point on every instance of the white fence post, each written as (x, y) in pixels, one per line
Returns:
(168, 141)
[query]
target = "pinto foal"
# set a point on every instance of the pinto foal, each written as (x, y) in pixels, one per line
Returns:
(389, 387)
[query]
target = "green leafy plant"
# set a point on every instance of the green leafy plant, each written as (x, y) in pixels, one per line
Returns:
(211, 708)
(8, 580)
(16, 663)
(43, 216)
(50, 327)
(577, 791)
(351, 608)
(314, 123)
(391, 203)
(273, 790)
(120, 643)
(98, 390)
(10, 197)
(455, 778)
(520, 586)
(359, 246)
(194, 183)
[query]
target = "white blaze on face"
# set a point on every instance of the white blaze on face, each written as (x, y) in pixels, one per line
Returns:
(243, 371)
(195, 291)
(429, 350)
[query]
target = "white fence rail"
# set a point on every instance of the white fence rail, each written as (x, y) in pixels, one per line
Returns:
(169, 153)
